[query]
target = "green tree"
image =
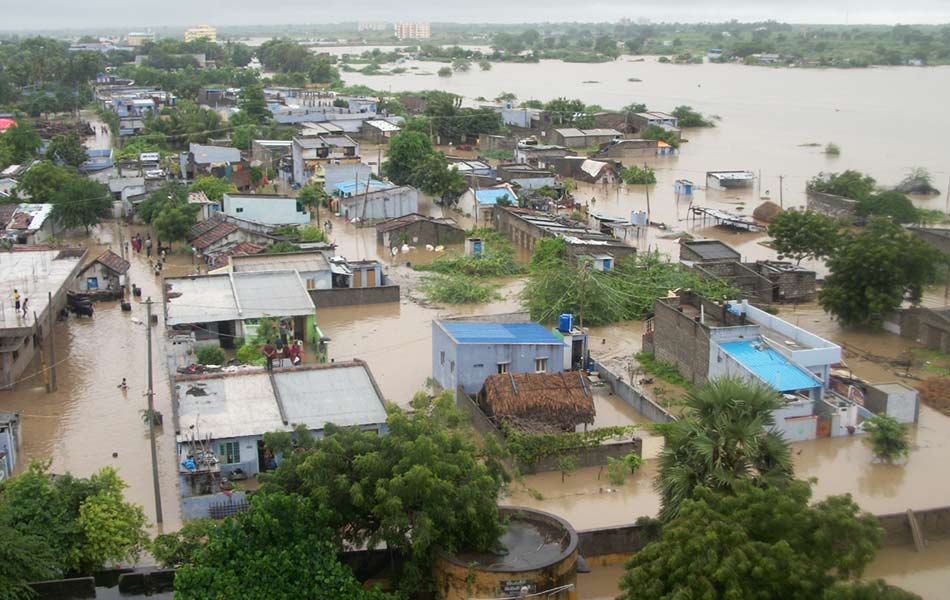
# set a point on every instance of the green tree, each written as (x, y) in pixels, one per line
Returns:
(874, 271)
(43, 180)
(635, 175)
(757, 542)
(282, 248)
(800, 234)
(174, 221)
(253, 104)
(169, 194)
(114, 529)
(687, 117)
(407, 150)
(243, 135)
(280, 550)
(435, 177)
(888, 438)
(172, 550)
(85, 522)
(445, 72)
(67, 149)
(655, 132)
(214, 187)
(895, 205)
(425, 485)
(563, 111)
(81, 202)
(313, 196)
(849, 184)
(721, 441)
(22, 142)
(24, 558)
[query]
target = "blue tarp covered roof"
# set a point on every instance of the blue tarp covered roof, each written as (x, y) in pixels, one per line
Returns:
(500, 333)
(490, 197)
(770, 366)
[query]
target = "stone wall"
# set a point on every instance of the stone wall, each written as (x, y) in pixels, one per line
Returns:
(833, 206)
(638, 401)
(682, 342)
(354, 296)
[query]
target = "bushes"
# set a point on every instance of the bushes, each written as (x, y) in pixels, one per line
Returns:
(663, 370)
(619, 468)
(457, 289)
(497, 259)
(528, 448)
(211, 355)
(249, 354)
(888, 438)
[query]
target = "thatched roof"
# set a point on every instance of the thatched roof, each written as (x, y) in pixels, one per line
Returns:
(766, 212)
(549, 401)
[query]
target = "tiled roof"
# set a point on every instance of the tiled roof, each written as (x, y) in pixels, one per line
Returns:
(6, 214)
(21, 220)
(203, 227)
(113, 261)
(220, 231)
(222, 259)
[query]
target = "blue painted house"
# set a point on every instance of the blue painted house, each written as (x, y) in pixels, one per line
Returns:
(9, 443)
(465, 353)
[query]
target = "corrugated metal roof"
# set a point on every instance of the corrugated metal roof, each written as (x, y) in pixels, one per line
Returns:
(344, 396)
(500, 333)
(712, 249)
(769, 366)
(301, 261)
(212, 298)
(357, 186)
(214, 154)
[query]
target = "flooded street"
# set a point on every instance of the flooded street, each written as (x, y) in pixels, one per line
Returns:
(88, 418)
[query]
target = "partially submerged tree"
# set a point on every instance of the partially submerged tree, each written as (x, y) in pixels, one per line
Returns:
(874, 271)
(888, 438)
(435, 177)
(81, 202)
(68, 149)
(213, 187)
(636, 175)
(800, 234)
(849, 184)
(757, 542)
(894, 205)
(687, 117)
(721, 442)
(407, 150)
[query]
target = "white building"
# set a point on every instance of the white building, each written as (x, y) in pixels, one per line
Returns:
(413, 31)
(265, 208)
(201, 31)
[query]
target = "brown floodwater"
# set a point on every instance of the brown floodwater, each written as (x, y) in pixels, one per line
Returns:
(87, 419)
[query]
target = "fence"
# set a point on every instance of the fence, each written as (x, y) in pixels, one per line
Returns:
(640, 403)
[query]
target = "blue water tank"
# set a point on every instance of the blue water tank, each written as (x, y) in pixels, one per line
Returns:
(566, 323)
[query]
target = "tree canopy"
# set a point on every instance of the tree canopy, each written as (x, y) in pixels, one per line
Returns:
(423, 485)
(81, 202)
(407, 150)
(874, 271)
(760, 543)
(18, 144)
(721, 441)
(435, 177)
(687, 117)
(280, 549)
(68, 149)
(213, 187)
(800, 234)
(83, 522)
(44, 179)
(894, 205)
(849, 184)
(636, 175)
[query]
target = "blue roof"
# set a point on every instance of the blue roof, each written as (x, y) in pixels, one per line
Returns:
(770, 366)
(490, 197)
(500, 333)
(359, 186)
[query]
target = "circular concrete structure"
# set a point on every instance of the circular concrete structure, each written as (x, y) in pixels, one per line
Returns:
(540, 555)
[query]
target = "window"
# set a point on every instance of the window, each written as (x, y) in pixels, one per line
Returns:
(541, 365)
(311, 284)
(230, 452)
(452, 367)
(503, 367)
(239, 209)
(92, 283)
(300, 207)
(442, 357)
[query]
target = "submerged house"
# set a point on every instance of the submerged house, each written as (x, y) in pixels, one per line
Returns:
(728, 180)
(105, 274)
(466, 353)
(539, 402)
(222, 419)
(706, 340)
(416, 229)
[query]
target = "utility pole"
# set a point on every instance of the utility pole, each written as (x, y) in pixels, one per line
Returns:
(580, 309)
(51, 385)
(947, 210)
(151, 415)
(781, 190)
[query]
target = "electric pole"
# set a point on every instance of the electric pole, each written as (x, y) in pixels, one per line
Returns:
(151, 415)
(781, 191)
(51, 386)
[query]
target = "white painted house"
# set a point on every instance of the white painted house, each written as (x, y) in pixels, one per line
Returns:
(265, 208)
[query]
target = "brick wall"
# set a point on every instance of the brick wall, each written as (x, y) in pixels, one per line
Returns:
(354, 296)
(682, 342)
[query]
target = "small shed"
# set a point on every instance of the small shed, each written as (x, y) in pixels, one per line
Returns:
(539, 402)
(420, 230)
(707, 251)
(106, 273)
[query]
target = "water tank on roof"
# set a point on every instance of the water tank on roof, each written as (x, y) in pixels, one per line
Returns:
(638, 218)
(566, 323)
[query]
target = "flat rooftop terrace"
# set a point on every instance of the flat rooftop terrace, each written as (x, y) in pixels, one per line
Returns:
(34, 274)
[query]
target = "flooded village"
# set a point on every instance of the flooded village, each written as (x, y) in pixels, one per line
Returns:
(312, 259)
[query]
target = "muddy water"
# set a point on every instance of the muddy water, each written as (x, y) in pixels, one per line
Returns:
(88, 418)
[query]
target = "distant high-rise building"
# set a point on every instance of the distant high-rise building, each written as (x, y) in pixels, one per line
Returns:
(413, 31)
(137, 38)
(201, 31)
(372, 26)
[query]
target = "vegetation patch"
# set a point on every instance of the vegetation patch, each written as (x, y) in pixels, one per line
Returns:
(528, 448)
(458, 289)
(662, 370)
(497, 259)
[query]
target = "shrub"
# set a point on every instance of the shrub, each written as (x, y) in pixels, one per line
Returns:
(249, 354)
(888, 437)
(211, 355)
(457, 289)
(832, 149)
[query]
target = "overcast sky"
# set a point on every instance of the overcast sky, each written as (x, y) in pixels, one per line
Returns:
(63, 14)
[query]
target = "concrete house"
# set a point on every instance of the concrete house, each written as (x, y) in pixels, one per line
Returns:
(466, 353)
(9, 443)
(539, 155)
(220, 308)
(571, 137)
(482, 202)
(640, 121)
(105, 274)
(628, 150)
(385, 203)
(313, 266)
(268, 209)
(525, 176)
(222, 162)
(38, 276)
(310, 152)
(418, 230)
(929, 326)
(707, 340)
(524, 227)
(30, 224)
(587, 170)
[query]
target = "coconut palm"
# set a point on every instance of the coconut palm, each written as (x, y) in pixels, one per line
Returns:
(723, 438)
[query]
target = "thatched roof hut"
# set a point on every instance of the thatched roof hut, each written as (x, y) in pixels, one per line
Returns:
(539, 402)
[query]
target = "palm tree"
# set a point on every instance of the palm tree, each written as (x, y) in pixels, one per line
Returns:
(722, 439)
